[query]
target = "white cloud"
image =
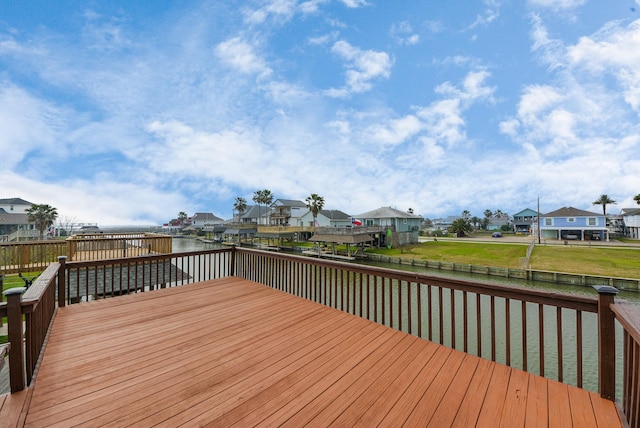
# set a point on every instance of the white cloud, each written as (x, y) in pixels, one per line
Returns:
(355, 3)
(615, 51)
(28, 124)
(403, 34)
(363, 66)
(278, 9)
(558, 4)
(241, 55)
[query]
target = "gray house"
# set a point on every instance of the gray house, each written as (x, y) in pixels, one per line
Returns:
(13, 220)
(400, 227)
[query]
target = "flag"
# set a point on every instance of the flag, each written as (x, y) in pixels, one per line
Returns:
(356, 222)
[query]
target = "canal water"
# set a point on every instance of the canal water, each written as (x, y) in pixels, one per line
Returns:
(191, 244)
(589, 322)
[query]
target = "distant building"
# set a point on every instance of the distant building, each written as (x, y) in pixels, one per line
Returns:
(287, 212)
(327, 218)
(14, 225)
(525, 221)
(202, 220)
(404, 226)
(631, 222)
(443, 224)
(570, 223)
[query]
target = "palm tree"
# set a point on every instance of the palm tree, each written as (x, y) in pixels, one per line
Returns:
(240, 205)
(637, 198)
(257, 198)
(182, 217)
(262, 197)
(43, 215)
(460, 227)
(466, 214)
(604, 200)
(267, 199)
(315, 203)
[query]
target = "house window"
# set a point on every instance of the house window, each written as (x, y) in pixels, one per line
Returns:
(548, 222)
(592, 221)
(571, 219)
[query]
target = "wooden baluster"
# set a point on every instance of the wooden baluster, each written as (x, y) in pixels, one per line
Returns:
(606, 342)
(16, 353)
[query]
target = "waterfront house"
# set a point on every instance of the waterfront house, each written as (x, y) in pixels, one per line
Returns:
(403, 225)
(525, 221)
(14, 225)
(568, 223)
(287, 212)
(328, 218)
(205, 220)
(251, 215)
(631, 222)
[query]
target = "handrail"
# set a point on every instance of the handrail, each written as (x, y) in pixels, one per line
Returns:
(37, 305)
(629, 318)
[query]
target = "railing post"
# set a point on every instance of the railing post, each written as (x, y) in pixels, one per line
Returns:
(16, 353)
(606, 342)
(62, 281)
(1, 295)
(232, 261)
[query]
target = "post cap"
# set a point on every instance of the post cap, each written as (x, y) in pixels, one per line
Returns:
(606, 289)
(13, 291)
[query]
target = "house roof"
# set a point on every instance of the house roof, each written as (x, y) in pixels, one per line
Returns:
(253, 211)
(14, 201)
(206, 217)
(526, 212)
(289, 203)
(387, 212)
(335, 215)
(571, 212)
(631, 211)
(14, 218)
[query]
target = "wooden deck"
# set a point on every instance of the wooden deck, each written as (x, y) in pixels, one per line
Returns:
(231, 352)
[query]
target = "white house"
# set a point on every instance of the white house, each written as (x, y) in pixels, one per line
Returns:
(202, 220)
(287, 212)
(631, 221)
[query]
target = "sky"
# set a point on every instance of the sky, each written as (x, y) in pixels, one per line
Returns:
(129, 112)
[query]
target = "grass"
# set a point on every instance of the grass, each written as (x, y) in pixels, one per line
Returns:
(611, 262)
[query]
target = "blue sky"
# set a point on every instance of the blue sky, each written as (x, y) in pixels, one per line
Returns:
(127, 112)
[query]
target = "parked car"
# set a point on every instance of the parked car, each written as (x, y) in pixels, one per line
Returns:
(496, 235)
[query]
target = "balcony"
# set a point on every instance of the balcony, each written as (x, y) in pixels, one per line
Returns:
(260, 338)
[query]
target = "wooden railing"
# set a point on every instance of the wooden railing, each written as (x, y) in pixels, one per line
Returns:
(547, 333)
(37, 255)
(116, 245)
(30, 255)
(38, 305)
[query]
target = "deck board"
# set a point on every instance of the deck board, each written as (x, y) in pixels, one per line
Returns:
(231, 352)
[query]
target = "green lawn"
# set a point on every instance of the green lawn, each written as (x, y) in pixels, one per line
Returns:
(614, 262)
(11, 281)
